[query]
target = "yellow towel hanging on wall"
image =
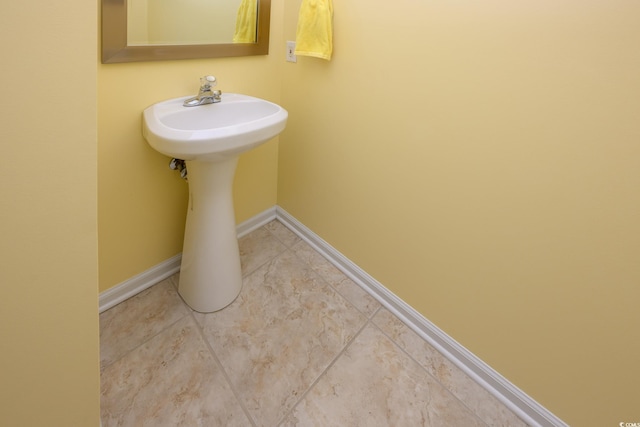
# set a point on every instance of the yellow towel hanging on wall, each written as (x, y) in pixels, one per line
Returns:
(246, 22)
(314, 36)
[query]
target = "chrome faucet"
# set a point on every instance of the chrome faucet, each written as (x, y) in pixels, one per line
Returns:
(205, 94)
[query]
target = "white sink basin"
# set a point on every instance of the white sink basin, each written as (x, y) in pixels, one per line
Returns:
(213, 131)
(210, 138)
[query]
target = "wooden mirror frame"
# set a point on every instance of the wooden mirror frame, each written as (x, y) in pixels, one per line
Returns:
(115, 48)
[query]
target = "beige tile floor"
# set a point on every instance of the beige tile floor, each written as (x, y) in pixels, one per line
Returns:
(302, 345)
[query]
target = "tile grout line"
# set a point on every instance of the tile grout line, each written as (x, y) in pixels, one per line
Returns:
(191, 313)
(152, 336)
(322, 374)
(227, 378)
(426, 370)
(527, 410)
(397, 344)
(336, 290)
(318, 273)
(286, 248)
(346, 346)
(144, 342)
(200, 329)
(369, 320)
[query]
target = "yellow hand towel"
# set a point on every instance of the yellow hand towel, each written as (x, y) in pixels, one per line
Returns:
(314, 36)
(246, 22)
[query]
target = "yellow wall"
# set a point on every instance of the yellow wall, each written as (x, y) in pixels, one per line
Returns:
(49, 373)
(142, 204)
(478, 159)
(160, 22)
(482, 161)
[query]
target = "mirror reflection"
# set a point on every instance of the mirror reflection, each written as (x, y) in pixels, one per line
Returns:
(156, 30)
(178, 22)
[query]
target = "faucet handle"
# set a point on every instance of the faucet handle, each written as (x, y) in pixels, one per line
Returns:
(207, 82)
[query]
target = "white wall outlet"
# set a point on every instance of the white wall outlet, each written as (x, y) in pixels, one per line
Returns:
(291, 48)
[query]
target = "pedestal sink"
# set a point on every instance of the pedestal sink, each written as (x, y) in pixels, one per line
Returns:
(210, 138)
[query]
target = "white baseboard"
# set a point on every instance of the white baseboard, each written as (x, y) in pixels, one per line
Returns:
(139, 283)
(157, 273)
(516, 400)
(256, 222)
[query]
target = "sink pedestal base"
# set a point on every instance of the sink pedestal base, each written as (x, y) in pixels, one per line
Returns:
(210, 274)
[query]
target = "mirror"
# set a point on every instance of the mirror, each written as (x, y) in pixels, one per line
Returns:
(155, 30)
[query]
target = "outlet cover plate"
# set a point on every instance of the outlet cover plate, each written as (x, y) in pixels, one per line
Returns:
(291, 48)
